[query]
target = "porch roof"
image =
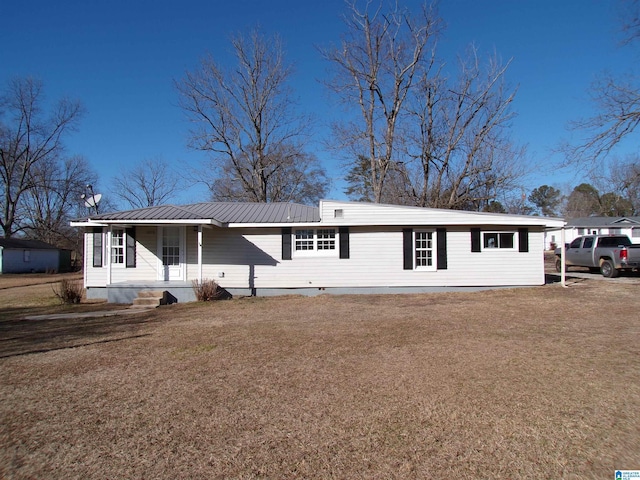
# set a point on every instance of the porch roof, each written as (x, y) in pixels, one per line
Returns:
(220, 213)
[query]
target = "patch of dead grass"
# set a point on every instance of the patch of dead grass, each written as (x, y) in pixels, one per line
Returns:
(526, 383)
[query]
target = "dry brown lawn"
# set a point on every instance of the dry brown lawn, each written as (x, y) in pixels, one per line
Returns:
(523, 383)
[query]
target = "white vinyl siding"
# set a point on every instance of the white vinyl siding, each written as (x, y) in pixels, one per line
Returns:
(146, 261)
(238, 258)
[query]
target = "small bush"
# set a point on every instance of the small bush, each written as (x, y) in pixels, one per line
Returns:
(207, 290)
(69, 291)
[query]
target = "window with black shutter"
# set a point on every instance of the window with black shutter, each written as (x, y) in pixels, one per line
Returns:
(286, 243)
(131, 247)
(343, 233)
(97, 247)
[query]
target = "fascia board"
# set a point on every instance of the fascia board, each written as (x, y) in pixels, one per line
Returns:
(104, 223)
(518, 221)
(273, 225)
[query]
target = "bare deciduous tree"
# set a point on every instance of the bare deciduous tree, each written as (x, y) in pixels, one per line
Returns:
(295, 176)
(458, 153)
(429, 140)
(617, 102)
(29, 137)
(57, 195)
(246, 118)
(376, 65)
(149, 183)
(583, 201)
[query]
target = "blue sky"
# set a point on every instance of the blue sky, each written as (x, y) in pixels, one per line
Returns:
(120, 58)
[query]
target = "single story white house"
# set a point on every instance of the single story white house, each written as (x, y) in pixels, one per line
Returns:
(340, 247)
(19, 255)
(629, 226)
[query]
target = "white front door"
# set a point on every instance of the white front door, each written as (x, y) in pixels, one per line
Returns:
(171, 253)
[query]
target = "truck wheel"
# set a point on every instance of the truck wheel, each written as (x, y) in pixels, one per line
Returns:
(608, 270)
(558, 265)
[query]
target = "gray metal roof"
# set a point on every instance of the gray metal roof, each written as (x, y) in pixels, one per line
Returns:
(223, 212)
(20, 243)
(603, 222)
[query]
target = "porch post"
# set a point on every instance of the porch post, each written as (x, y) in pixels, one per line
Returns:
(107, 254)
(200, 253)
(563, 251)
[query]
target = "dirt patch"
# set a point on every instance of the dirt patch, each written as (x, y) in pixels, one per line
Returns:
(524, 383)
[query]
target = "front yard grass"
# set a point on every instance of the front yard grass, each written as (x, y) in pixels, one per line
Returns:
(524, 383)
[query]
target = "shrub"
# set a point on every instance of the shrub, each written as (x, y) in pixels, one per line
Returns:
(69, 291)
(206, 290)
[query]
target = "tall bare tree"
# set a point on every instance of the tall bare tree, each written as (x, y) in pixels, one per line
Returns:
(29, 138)
(458, 153)
(376, 65)
(246, 118)
(429, 137)
(148, 183)
(618, 106)
(617, 102)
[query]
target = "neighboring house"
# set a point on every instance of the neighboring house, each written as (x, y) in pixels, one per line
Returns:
(31, 256)
(629, 226)
(340, 247)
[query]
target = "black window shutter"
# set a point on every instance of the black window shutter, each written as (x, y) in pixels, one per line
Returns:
(97, 246)
(344, 242)
(475, 239)
(131, 247)
(407, 248)
(286, 243)
(523, 239)
(442, 248)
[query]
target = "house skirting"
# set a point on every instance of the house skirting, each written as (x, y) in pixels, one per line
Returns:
(183, 291)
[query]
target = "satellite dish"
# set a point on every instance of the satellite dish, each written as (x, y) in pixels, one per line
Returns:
(92, 200)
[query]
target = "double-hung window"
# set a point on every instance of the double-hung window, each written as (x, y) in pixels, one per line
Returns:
(424, 250)
(117, 246)
(311, 241)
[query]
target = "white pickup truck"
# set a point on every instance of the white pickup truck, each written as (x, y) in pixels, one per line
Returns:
(610, 254)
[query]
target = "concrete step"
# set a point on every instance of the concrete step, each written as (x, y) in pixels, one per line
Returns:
(149, 299)
(150, 293)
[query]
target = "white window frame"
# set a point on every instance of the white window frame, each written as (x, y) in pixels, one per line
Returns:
(433, 248)
(319, 242)
(122, 246)
(498, 240)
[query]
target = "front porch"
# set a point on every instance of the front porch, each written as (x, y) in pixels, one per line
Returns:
(126, 292)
